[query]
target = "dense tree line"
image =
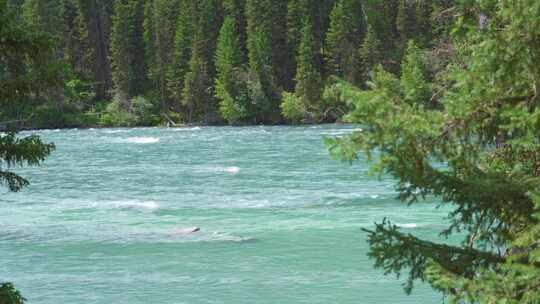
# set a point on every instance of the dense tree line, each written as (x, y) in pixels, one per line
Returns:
(213, 61)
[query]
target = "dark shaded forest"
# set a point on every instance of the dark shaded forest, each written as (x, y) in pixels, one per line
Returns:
(168, 62)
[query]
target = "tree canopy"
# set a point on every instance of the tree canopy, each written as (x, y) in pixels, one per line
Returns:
(469, 138)
(162, 55)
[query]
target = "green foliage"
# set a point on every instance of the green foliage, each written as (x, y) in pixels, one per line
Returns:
(308, 77)
(346, 33)
(160, 24)
(305, 103)
(198, 91)
(167, 49)
(415, 76)
(485, 133)
(9, 295)
(293, 107)
(268, 57)
(371, 52)
(231, 90)
(140, 112)
(129, 70)
(27, 151)
(182, 51)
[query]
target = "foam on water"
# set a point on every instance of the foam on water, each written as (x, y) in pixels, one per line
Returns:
(150, 205)
(181, 129)
(232, 170)
(142, 140)
(115, 131)
(408, 226)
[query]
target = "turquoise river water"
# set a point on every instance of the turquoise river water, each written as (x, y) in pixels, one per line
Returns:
(106, 220)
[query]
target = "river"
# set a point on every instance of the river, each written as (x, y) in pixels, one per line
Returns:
(106, 219)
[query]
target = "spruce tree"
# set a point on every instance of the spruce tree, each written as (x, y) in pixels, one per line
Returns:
(371, 52)
(198, 84)
(183, 42)
(424, 27)
(230, 89)
(159, 35)
(344, 37)
(306, 100)
(127, 49)
(46, 16)
(415, 77)
(236, 10)
(264, 86)
(406, 23)
(94, 25)
(308, 77)
(477, 155)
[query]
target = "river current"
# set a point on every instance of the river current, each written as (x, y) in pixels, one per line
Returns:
(107, 219)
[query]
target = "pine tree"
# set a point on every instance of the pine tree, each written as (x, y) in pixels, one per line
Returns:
(381, 18)
(346, 33)
(306, 100)
(159, 35)
(262, 59)
(127, 49)
(477, 154)
(94, 25)
(297, 11)
(423, 14)
(198, 84)
(415, 78)
(46, 16)
(230, 90)
(308, 77)
(406, 23)
(236, 10)
(182, 49)
(371, 52)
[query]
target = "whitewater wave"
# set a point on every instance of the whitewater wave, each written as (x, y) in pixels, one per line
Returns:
(142, 140)
(232, 170)
(338, 132)
(150, 205)
(408, 226)
(185, 129)
(115, 131)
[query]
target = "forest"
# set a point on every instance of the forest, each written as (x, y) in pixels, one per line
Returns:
(172, 62)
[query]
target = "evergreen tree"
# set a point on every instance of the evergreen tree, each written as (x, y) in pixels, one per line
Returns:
(46, 16)
(94, 26)
(381, 18)
(198, 84)
(308, 77)
(296, 13)
(406, 23)
(487, 136)
(127, 49)
(415, 77)
(236, 10)
(230, 89)
(264, 61)
(181, 51)
(346, 33)
(304, 104)
(423, 14)
(371, 52)
(159, 36)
